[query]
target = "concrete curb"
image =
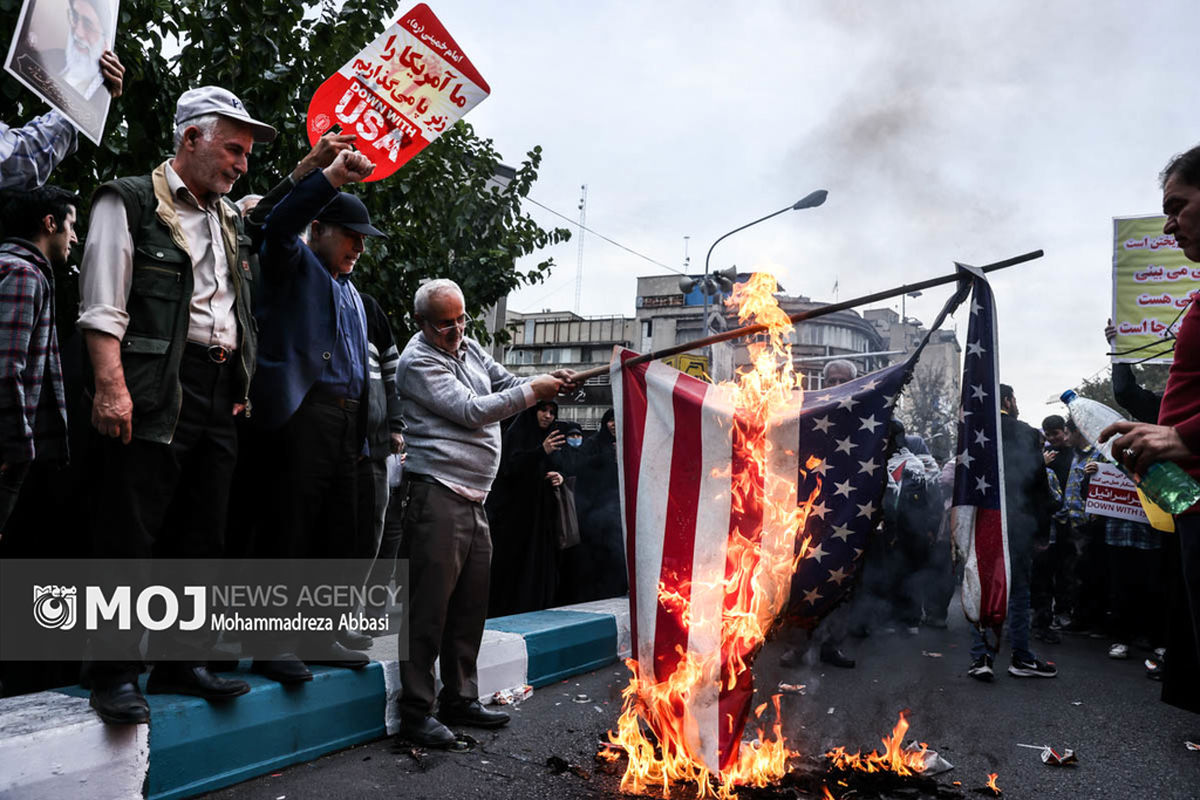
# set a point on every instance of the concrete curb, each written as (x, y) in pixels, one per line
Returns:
(52, 745)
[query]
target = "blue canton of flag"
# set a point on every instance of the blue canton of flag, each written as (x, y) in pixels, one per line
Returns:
(843, 438)
(977, 513)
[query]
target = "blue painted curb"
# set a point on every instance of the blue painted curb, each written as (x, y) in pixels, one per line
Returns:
(196, 746)
(562, 643)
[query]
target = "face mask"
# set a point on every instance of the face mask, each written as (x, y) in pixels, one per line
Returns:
(574, 442)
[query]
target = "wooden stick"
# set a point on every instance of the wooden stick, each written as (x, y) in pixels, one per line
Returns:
(811, 314)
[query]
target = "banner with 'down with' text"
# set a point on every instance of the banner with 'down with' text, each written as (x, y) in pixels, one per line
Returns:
(399, 93)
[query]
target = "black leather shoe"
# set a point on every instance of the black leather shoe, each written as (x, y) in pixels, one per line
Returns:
(355, 640)
(285, 668)
(834, 656)
(340, 656)
(194, 680)
(471, 714)
(427, 732)
(120, 704)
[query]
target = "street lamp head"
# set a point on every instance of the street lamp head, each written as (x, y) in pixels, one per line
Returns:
(811, 200)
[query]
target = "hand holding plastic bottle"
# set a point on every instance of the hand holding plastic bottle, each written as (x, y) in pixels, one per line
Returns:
(1140, 444)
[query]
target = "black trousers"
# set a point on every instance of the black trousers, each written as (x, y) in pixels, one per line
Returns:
(1136, 596)
(153, 500)
(310, 497)
(1043, 584)
(1181, 683)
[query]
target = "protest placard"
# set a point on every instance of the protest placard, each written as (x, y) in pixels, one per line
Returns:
(399, 93)
(56, 53)
(1152, 284)
(1112, 494)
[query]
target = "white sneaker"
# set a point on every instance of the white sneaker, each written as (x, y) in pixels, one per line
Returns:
(1118, 650)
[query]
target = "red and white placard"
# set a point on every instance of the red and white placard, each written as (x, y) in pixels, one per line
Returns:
(1112, 494)
(399, 93)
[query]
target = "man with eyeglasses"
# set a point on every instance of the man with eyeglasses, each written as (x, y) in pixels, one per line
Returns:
(454, 396)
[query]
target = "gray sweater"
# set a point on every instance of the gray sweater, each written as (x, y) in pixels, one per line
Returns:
(452, 409)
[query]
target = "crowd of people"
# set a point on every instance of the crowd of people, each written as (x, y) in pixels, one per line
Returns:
(233, 394)
(1070, 571)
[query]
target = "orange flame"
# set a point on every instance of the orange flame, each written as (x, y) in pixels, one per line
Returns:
(656, 728)
(893, 758)
(991, 784)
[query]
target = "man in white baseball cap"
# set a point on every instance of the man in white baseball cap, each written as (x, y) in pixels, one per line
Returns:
(206, 100)
(166, 315)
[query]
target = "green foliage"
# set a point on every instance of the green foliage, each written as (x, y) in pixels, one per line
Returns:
(929, 408)
(443, 216)
(1100, 388)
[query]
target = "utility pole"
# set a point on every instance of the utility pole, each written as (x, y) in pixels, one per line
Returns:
(579, 261)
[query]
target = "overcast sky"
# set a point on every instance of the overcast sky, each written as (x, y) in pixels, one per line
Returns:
(943, 131)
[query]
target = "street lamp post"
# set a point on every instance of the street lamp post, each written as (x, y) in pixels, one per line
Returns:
(710, 286)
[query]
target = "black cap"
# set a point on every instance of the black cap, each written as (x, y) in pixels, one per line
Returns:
(349, 212)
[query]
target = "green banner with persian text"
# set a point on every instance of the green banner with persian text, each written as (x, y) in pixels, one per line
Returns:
(1153, 282)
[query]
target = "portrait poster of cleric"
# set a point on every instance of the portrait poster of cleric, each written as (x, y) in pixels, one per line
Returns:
(56, 51)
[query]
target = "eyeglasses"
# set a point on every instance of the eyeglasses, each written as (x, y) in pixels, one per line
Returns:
(446, 327)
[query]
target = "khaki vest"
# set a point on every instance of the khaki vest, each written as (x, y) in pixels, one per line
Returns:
(159, 296)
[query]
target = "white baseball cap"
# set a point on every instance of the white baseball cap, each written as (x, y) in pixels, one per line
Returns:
(215, 100)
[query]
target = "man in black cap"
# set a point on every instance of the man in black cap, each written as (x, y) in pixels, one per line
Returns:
(311, 382)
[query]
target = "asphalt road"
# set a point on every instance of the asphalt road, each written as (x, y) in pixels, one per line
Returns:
(1130, 745)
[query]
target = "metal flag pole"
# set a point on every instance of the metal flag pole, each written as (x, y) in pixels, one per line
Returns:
(812, 314)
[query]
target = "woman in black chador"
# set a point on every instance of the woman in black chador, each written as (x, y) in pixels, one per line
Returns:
(520, 511)
(595, 568)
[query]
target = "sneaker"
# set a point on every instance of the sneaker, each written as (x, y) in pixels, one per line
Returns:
(1059, 622)
(1118, 650)
(1021, 668)
(912, 630)
(981, 669)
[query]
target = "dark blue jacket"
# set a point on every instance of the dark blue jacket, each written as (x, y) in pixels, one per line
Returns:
(296, 307)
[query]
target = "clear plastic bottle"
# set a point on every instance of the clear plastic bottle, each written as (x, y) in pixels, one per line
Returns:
(1165, 483)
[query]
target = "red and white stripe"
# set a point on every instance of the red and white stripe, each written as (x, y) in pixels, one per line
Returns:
(675, 454)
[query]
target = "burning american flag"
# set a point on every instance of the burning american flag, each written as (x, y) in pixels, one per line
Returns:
(737, 507)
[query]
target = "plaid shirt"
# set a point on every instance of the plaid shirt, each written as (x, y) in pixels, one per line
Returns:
(28, 154)
(29, 358)
(1127, 533)
(1075, 493)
